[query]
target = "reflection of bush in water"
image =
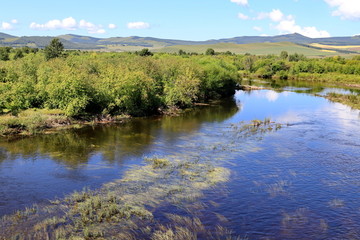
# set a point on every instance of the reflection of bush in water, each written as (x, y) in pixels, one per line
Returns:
(192, 120)
(74, 147)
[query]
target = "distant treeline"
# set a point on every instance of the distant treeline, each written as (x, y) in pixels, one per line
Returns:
(143, 83)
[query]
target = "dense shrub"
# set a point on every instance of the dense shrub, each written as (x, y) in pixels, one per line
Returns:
(113, 83)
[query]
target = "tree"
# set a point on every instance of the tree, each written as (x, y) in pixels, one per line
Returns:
(4, 54)
(210, 51)
(284, 55)
(54, 49)
(145, 52)
(18, 54)
(181, 52)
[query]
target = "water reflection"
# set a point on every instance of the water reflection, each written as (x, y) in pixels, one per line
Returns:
(301, 86)
(41, 167)
(115, 142)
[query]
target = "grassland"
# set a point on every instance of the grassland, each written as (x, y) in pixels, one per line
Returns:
(252, 48)
(355, 48)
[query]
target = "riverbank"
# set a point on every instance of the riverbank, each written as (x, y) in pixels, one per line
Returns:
(36, 121)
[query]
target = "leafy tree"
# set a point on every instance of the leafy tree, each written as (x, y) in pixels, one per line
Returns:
(181, 52)
(210, 51)
(4, 54)
(18, 54)
(284, 55)
(145, 52)
(54, 49)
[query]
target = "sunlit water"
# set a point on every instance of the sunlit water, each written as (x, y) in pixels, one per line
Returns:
(300, 182)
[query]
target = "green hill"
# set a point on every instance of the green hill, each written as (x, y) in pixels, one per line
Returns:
(4, 35)
(246, 44)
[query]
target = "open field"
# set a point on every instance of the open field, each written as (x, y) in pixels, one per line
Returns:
(253, 48)
(355, 48)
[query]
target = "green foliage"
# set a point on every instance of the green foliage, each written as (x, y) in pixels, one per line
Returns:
(86, 84)
(18, 54)
(145, 52)
(181, 52)
(284, 55)
(54, 49)
(4, 54)
(210, 51)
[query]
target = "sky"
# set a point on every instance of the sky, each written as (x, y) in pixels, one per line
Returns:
(180, 19)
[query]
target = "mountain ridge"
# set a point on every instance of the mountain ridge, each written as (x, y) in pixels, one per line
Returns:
(73, 41)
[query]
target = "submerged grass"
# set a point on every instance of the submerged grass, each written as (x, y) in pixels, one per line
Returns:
(123, 206)
(157, 200)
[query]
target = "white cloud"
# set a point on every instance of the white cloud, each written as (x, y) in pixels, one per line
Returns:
(346, 9)
(287, 24)
(290, 26)
(138, 25)
(256, 28)
(68, 24)
(8, 25)
(112, 26)
(276, 15)
(240, 2)
(243, 16)
(91, 28)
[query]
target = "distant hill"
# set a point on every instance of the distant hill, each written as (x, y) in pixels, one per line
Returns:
(41, 42)
(71, 41)
(4, 35)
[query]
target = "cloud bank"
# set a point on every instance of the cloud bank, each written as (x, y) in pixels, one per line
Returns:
(71, 24)
(346, 9)
(287, 24)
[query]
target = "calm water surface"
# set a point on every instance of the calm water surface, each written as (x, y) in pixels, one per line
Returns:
(300, 182)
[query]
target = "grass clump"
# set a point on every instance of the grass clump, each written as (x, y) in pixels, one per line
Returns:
(124, 208)
(158, 162)
(31, 121)
(350, 100)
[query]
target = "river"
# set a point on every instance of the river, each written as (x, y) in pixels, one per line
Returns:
(301, 181)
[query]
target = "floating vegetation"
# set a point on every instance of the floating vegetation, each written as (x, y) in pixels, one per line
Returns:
(255, 127)
(123, 206)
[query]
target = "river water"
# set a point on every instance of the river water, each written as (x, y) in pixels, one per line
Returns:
(299, 182)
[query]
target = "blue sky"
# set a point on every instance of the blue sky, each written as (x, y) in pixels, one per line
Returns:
(181, 19)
